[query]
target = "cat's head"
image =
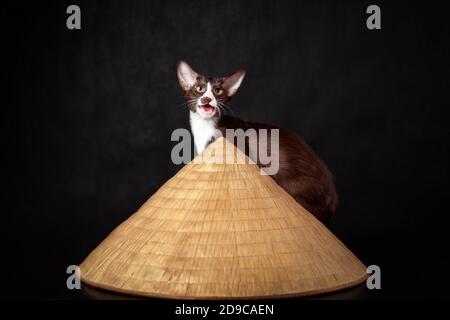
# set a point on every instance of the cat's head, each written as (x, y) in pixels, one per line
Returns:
(205, 95)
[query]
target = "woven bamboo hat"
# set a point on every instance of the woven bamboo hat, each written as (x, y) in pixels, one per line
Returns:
(221, 231)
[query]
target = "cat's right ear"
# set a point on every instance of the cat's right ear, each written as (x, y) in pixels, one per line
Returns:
(186, 75)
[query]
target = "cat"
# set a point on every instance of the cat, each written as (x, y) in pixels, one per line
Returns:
(301, 172)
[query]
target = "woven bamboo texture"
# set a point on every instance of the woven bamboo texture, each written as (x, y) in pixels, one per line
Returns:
(221, 231)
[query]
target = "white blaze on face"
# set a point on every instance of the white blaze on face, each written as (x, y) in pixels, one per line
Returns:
(203, 123)
(208, 93)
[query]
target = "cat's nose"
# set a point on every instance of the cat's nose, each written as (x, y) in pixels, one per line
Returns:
(205, 100)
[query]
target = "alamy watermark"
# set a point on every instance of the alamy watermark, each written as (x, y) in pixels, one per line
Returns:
(374, 279)
(73, 21)
(74, 279)
(261, 146)
(373, 22)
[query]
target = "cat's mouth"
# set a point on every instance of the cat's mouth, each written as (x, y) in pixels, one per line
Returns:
(207, 109)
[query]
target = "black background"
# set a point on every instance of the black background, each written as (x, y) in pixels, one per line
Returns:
(87, 117)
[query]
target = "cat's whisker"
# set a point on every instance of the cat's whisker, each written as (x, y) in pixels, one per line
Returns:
(225, 107)
(190, 103)
(220, 108)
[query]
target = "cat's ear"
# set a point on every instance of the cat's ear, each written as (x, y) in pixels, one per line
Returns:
(186, 75)
(232, 83)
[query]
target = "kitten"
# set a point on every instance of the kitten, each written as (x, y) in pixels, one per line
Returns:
(301, 173)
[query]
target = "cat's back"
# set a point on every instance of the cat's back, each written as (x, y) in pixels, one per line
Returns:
(288, 139)
(301, 171)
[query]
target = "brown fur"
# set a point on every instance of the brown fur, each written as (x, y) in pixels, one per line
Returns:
(301, 172)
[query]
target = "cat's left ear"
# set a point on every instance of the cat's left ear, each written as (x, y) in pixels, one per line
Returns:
(232, 83)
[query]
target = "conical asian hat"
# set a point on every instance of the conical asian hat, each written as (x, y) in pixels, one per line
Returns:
(221, 230)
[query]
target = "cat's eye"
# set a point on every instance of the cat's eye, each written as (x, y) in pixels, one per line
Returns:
(200, 89)
(218, 91)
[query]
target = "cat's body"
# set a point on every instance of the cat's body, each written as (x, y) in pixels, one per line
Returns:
(301, 172)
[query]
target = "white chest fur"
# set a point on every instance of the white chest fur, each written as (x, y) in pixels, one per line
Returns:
(203, 130)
